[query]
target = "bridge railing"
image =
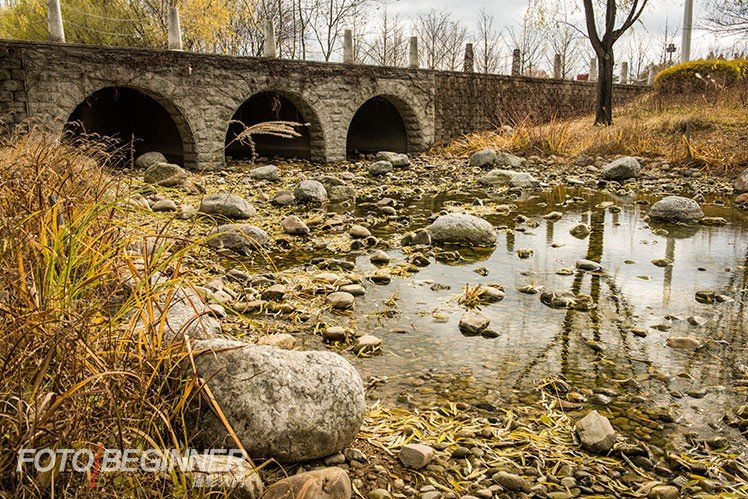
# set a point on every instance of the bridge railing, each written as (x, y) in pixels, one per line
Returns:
(57, 35)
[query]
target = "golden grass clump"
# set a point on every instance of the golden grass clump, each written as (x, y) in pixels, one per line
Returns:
(77, 373)
(697, 130)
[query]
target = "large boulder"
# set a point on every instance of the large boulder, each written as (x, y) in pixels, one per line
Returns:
(287, 405)
(676, 209)
(506, 160)
(483, 159)
(227, 205)
(396, 159)
(240, 238)
(379, 168)
(462, 228)
(327, 483)
(148, 159)
(310, 192)
(509, 178)
(741, 183)
(165, 175)
(622, 169)
(497, 177)
(268, 172)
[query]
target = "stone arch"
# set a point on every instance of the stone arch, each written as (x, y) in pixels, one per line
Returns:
(385, 122)
(125, 112)
(273, 105)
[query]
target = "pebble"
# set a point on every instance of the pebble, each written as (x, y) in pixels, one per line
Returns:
(510, 481)
(367, 344)
(340, 300)
(380, 257)
(359, 232)
(473, 322)
(416, 456)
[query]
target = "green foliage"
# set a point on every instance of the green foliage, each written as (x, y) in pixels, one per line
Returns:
(701, 76)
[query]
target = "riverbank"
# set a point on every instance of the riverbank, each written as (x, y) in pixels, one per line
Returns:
(495, 431)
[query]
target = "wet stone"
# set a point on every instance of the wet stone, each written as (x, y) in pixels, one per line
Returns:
(473, 322)
(341, 300)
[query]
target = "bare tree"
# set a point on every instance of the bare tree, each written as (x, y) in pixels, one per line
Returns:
(529, 38)
(603, 46)
(440, 38)
(565, 39)
(638, 51)
(728, 16)
(329, 21)
(488, 51)
(388, 45)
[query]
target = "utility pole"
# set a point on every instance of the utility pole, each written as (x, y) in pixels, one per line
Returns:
(685, 49)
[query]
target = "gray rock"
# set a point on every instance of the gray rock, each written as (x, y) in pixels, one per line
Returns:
(379, 494)
(241, 238)
(524, 181)
(281, 340)
(334, 459)
(334, 333)
(380, 257)
(219, 474)
(596, 433)
(676, 209)
(507, 160)
(287, 405)
(421, 237)
(462, 228)
(380, 168)
(622, 169)
(310, 192)
(473, 322)
(741, 183)
(341, 193)
(283, 198)
(148, 159)
(359, 232)
(165, 175)
(340, 300)
(269, 172)
(186, 212)
(227, 205)
(511, 482)
(416, 456)
(398, 160)
(497, 177)
(580, 231)
(327, 483)
(366, 344)
(276, 292)
(588, 265)
(295, 226)
(482, 159)
(164, 205)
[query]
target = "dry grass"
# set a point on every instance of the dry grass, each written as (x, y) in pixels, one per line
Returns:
(77, 372)
(696, 130)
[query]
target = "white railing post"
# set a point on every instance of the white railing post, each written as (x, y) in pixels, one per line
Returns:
(175, 30)
(54, 22)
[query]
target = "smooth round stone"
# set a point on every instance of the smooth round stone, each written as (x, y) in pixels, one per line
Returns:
(341, 300)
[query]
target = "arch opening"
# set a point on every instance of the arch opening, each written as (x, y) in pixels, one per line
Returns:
(269, 106)
(131, 118)
(377, 126)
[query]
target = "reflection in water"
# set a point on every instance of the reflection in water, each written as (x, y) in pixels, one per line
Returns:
(667, 288)
(592, 350)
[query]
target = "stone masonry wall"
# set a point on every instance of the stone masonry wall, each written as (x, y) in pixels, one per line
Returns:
(201, 92)
(472, 102)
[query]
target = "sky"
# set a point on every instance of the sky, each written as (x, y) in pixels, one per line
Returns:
(657, 15)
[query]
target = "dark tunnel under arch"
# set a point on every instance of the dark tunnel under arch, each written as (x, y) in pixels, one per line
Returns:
(274, 106)
(134, 118)
(378, 125)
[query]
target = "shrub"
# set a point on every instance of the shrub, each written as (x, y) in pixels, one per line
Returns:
(701, 76)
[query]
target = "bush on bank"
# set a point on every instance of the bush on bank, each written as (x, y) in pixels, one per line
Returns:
(701, 76)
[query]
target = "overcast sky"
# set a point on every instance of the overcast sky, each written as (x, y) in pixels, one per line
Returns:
(510, 12)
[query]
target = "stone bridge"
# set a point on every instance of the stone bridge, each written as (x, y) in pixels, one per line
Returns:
(187, 105)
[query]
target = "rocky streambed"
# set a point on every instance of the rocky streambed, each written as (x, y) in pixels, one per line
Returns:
(522, 327)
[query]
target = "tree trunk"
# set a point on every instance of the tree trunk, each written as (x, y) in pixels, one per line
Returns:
(604, 113)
